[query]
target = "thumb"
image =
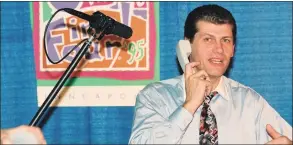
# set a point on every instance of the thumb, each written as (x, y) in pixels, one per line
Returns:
(272, 132)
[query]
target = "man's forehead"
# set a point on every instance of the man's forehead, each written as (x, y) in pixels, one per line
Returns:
(212, 34)
(208, 28)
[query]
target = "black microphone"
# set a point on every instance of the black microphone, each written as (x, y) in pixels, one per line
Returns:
(99, 20)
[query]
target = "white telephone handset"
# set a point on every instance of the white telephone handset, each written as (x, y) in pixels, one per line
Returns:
(183, 51)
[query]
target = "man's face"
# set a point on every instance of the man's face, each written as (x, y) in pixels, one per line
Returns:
(213, 47)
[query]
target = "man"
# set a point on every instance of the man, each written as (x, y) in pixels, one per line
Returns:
(203, 106)
(22, 135)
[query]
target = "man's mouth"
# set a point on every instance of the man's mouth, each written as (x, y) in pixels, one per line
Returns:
(216, 60)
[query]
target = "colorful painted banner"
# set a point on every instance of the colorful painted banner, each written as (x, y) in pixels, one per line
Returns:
(114, 61)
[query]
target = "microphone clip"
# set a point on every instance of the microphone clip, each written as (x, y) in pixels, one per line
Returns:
(102, 24)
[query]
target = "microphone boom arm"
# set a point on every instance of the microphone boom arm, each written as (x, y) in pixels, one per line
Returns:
(43, 109)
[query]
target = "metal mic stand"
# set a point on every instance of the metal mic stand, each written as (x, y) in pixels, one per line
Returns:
(43, 109)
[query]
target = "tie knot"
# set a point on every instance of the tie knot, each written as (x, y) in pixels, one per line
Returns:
(210, 97)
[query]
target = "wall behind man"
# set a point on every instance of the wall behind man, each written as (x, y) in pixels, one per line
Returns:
(263, 61)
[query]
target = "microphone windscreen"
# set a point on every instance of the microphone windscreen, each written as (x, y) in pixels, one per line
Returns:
(122, 30)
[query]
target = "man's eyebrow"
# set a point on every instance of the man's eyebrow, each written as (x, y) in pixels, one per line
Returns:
(231, 37)
(203, 34)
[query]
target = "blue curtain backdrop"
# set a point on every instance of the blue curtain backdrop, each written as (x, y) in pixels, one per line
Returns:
(263, 61)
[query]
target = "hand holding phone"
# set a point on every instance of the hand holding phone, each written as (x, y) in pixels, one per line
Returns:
(197, 82)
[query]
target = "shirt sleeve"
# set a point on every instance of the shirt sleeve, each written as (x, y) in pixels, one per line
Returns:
(150, 127)
(269, 115)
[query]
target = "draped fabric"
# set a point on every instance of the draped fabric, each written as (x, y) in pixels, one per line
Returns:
(263, 61)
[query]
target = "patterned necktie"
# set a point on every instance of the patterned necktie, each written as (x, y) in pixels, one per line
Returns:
(208, 133)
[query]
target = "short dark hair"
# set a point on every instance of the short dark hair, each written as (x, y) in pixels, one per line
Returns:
(209, 13)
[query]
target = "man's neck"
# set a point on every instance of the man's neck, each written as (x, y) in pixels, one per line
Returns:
(215, 82)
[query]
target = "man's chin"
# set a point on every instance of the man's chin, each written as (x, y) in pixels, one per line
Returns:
(216, 71)
(215, 74)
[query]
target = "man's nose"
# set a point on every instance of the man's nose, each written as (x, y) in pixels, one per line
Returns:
(218, 47)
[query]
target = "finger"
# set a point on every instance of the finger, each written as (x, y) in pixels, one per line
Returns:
(204, 84)
(203, 75)
(44, 142)
(209, 88)
(5, 140)
(280, 140)
(271, 142)
(189, 68)
(272, 132)
(18, 129)
(37, 131)
(206, 76)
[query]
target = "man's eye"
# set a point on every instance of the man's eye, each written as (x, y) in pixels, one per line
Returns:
(207, 39)
(227, 40)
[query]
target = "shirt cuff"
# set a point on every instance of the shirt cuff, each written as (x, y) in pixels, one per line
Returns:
(181, 117)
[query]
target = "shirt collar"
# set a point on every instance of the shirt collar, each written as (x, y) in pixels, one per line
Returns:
(221, 89)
